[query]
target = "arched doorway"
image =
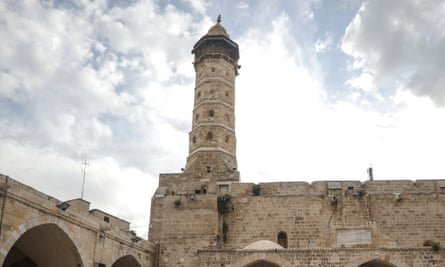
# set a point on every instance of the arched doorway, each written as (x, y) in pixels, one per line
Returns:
(126, 261)
(377, 263)
(44, 245)
(262, 264)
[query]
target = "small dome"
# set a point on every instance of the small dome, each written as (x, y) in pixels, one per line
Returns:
(218, 29)
(263, 245)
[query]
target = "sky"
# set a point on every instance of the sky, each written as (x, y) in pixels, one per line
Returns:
(326, 89)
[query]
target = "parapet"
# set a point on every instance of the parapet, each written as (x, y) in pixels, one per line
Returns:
(318, 188)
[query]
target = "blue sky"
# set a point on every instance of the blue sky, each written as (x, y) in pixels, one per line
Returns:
(326, 88)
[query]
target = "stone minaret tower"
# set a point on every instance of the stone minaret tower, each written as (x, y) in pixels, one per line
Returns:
(212, 139)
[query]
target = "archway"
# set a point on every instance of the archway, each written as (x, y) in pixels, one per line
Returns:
(377, 263)
(126, 261)
(44, 245)
(262, 264)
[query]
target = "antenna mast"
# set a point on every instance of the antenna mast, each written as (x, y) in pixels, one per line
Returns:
(85, 163)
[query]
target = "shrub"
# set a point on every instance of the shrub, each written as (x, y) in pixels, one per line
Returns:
(435, 246)
(256, 189)
(223, 203)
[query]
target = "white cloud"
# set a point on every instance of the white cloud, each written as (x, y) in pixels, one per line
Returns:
(198, 5)
(302, 137)
(388, 36)
(243, 5)
(88, 79)
(324, 45)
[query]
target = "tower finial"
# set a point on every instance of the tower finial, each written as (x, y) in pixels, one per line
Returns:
(219, 18)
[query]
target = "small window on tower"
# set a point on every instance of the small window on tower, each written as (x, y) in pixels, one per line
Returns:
(196, 117)
(227, 93)
(106, 219)
(199, 94)
(213, 69)
(211, 113)
(227, 138)
(194, 139)
(209, 136)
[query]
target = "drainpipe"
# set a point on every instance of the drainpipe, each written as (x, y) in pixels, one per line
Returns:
(5, 192)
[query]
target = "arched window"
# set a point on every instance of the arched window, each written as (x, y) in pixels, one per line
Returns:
(209, 136)
(211, 113)
(194, 139)
(282, 239)
(227, 138)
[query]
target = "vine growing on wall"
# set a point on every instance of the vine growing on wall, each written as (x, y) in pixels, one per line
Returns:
(223, 203)
(225, 230)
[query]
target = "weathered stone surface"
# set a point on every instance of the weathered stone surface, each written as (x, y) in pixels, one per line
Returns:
(76, 236)
(354, 237)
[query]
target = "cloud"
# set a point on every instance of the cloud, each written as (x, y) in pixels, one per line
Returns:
(303, 136)
(104, 80)
(198, 5)
(324, 45)
(401, 41)
(242, 5)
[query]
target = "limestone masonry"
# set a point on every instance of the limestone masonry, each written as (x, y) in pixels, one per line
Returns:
(205, 217)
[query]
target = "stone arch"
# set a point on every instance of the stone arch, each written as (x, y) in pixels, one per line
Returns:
(43, 245)
(377, 263)
(48, 224)
(271, 259)
(125, 257)
(126, 261)
(377, 259)
(262, 263)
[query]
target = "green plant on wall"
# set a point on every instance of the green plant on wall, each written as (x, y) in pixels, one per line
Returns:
(256, 189)
(223, 202)
(435, 246)
(225, 230)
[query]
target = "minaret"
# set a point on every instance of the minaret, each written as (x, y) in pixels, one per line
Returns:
(212, 139)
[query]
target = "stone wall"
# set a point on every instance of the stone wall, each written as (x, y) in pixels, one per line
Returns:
(403, 212)
(406, 257)
(32, 220)
(331, 222)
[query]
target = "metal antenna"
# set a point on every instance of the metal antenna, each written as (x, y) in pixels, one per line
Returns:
(85, 163)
